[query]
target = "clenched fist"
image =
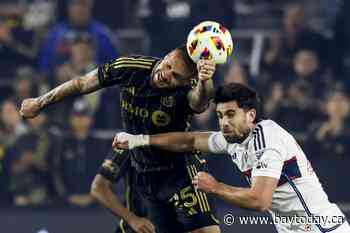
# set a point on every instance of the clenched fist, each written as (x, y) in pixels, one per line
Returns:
(30, 108)
(205, 182)
(125, 141)
(206, 69)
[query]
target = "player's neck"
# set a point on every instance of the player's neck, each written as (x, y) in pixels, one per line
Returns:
(252, 126)
(251, 129)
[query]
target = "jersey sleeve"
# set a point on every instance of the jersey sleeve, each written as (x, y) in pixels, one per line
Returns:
(122, 70)
(217, 143)
(270, 150)
(115, 166)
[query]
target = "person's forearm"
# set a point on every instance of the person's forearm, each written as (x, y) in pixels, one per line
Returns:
(241, 197)
(175, 142)
(202, 94)
(109, 200)
(78, 86)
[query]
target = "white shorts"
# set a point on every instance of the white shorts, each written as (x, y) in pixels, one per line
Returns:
(309, 228)
(333, 216)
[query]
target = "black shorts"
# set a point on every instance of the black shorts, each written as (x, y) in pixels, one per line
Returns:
(115, 167)
(173, 204)
(133, 199)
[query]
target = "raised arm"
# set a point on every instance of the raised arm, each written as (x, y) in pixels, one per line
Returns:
(201, 94)
(175, 142)
(77, 86)
(114, 72)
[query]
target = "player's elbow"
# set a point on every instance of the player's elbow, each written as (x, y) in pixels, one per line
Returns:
(98, 186)
(263, 206)
(261, 203)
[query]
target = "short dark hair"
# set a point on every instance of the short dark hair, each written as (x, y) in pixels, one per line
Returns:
(192, 66)
(246, 97)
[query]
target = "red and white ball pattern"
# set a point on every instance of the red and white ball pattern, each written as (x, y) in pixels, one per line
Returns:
(209, 40)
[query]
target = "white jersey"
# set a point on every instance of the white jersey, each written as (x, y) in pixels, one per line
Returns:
(271, 151)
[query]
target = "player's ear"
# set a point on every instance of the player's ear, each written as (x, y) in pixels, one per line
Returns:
(251, 115)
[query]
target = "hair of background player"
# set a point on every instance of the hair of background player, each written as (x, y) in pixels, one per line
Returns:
(246, 97)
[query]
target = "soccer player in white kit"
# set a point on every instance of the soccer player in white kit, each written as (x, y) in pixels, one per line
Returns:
(281, 178)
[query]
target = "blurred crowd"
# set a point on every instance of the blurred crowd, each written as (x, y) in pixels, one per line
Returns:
(303, 82)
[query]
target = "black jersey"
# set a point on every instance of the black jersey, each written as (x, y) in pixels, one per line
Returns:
(147, 110)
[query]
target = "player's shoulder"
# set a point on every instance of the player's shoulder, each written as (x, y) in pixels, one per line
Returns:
(269, 127)
(135, 61)
(267, 133)
(138, 58)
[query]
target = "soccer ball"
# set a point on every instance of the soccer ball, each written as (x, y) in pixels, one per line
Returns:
(209, 40)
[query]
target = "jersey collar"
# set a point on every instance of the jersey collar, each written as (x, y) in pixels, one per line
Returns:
(246, 141)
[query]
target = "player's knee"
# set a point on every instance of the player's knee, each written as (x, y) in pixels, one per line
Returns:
(98, 185)
(208, 229)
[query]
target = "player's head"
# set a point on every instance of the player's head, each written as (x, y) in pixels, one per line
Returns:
(175, 69)
(306, 63)
(79, 12)
(238, 110)
(81, 117)
(9, 116)
(337, 105)
(294, 18)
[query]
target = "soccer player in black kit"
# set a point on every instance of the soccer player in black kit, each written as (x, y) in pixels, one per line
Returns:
(156, 96)
(117, 166)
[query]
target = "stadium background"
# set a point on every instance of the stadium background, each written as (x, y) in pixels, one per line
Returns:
(295, 53)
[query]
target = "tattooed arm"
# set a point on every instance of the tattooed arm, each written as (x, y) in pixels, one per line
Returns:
(200, 96)
(78, 86)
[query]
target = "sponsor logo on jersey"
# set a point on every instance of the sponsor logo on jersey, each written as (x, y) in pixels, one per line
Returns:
(131, 90)
(160, 118)
(135, 110)
(261, 165)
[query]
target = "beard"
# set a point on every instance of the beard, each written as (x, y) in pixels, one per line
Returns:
(237, 138)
